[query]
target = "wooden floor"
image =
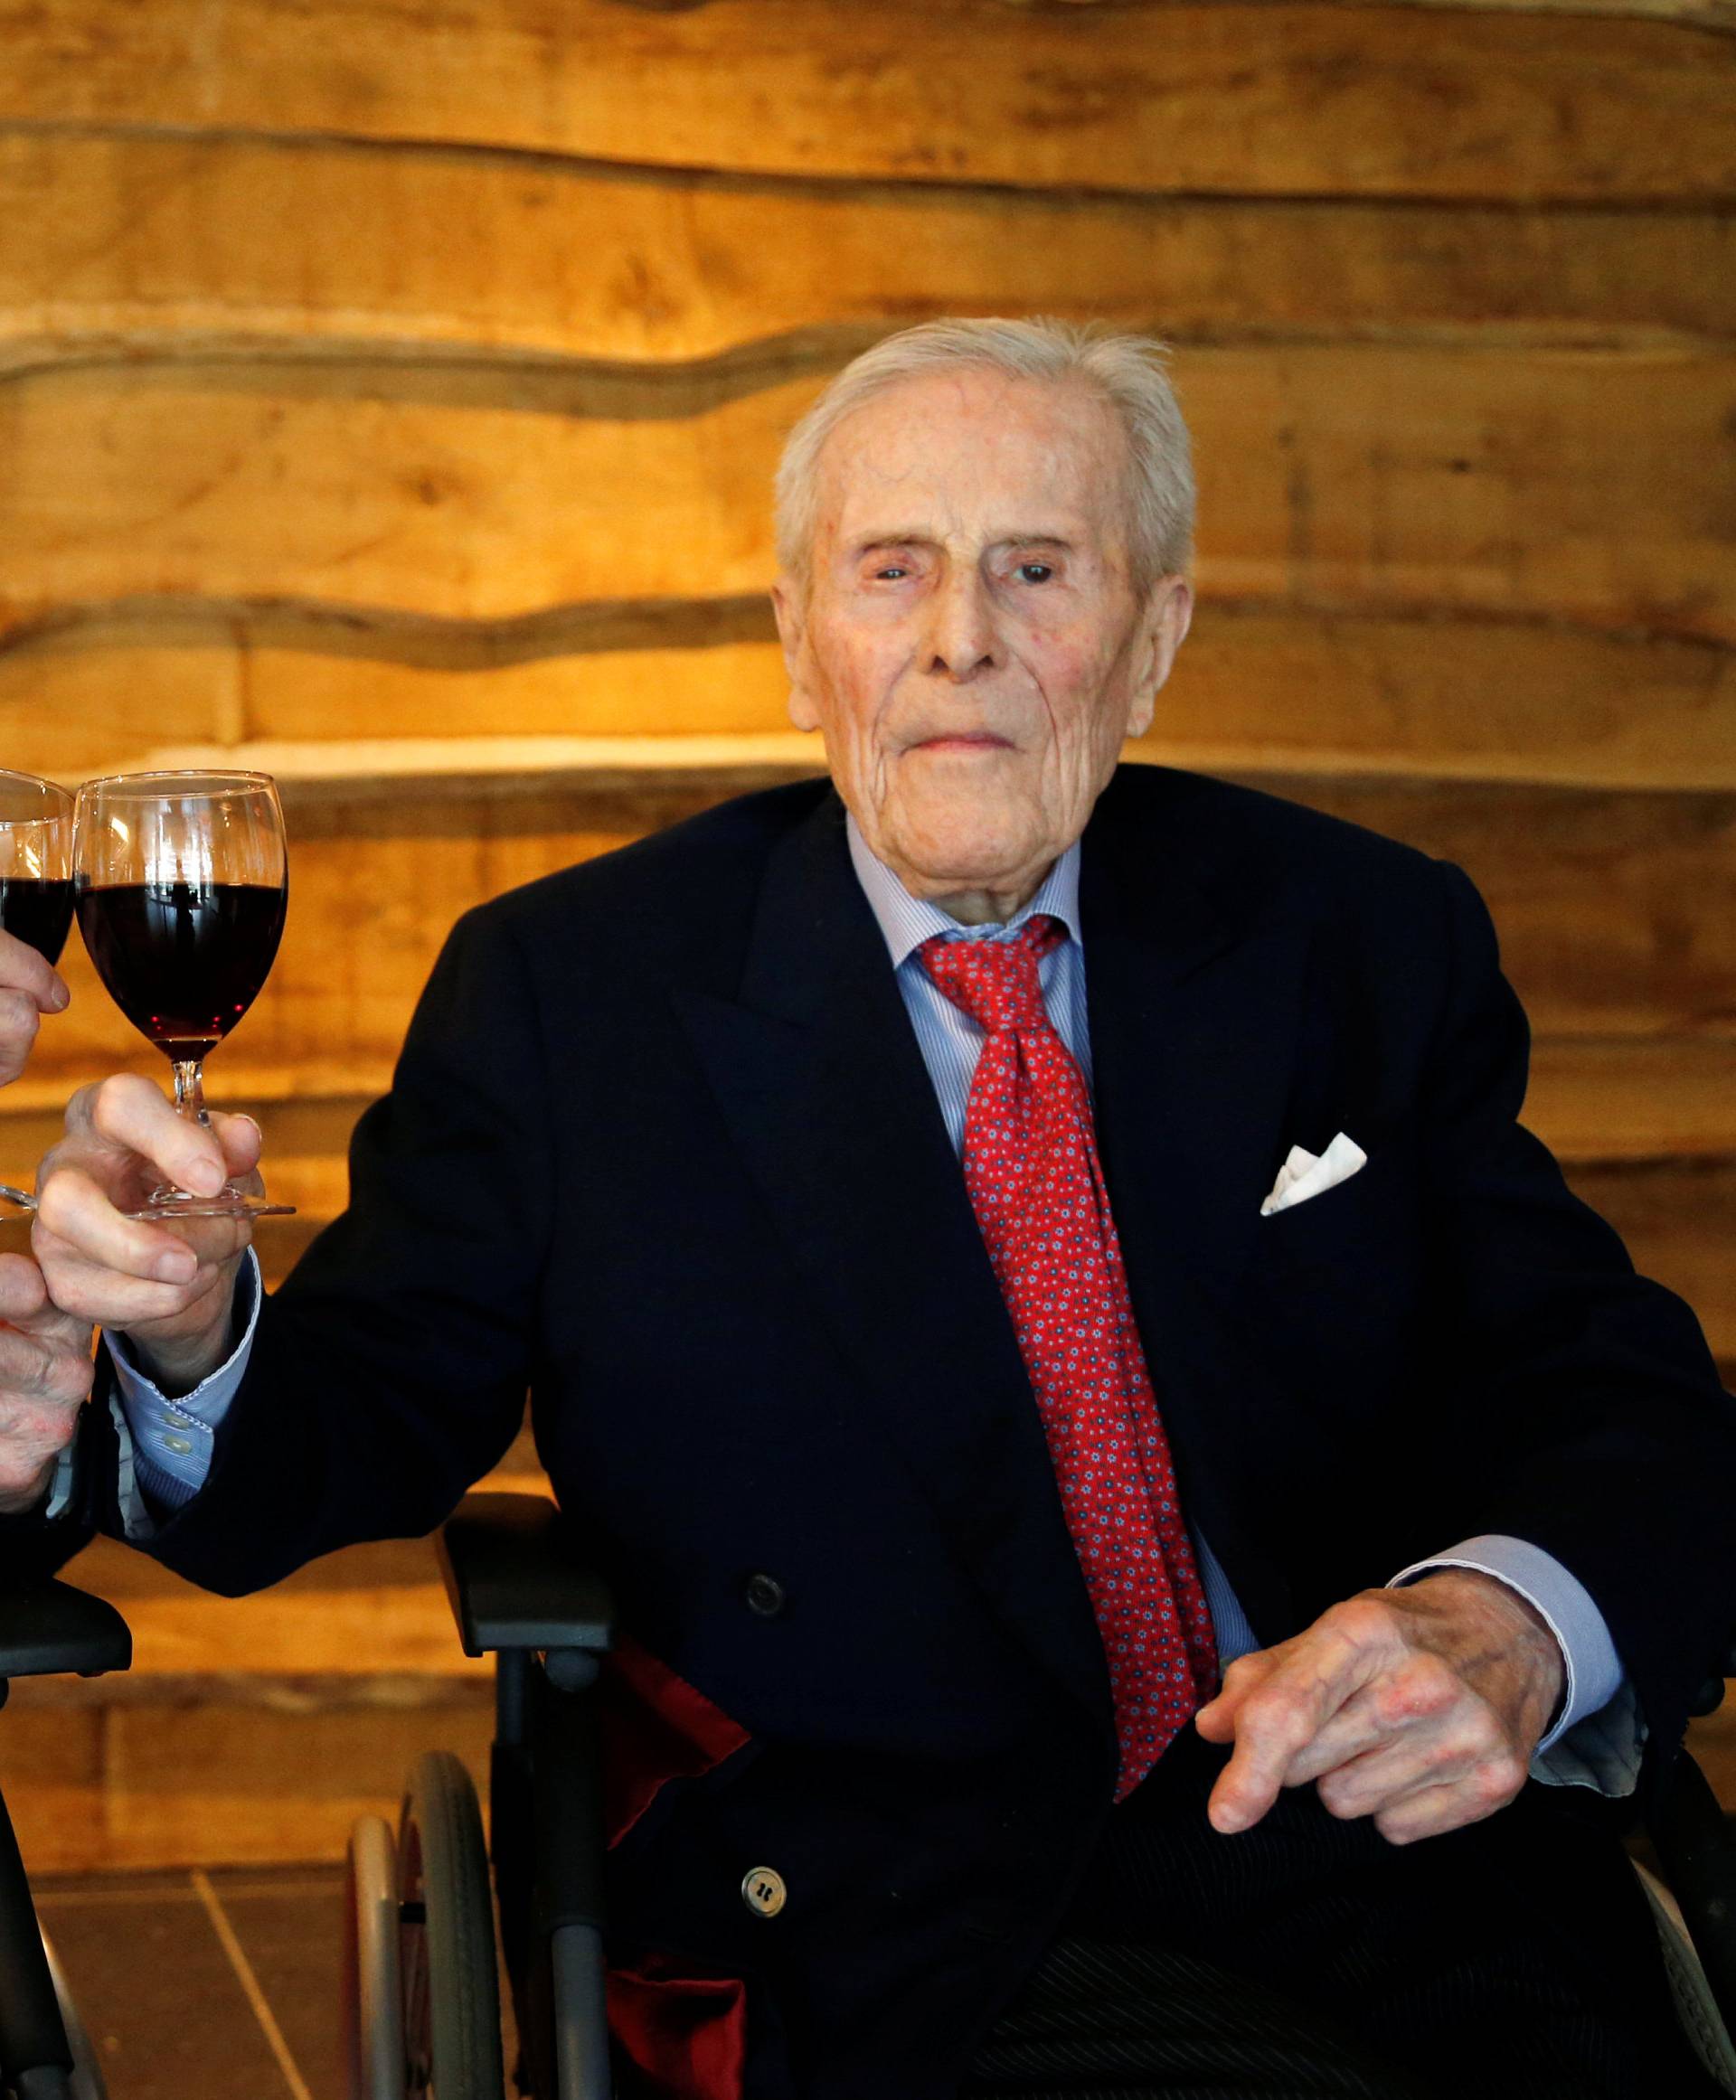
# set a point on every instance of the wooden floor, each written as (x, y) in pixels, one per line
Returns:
(196, 1984)
(209, 1980)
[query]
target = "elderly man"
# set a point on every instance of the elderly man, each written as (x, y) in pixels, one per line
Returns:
(1017, 1539)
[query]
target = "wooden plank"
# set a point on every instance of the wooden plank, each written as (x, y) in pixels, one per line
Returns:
(1679, 1223)
(1592, 1100)
(1617, 910)
(1442, 479)
(1291, 690)
(180, 1785)
(52, 1773)
(1712, 1742)
(1257, 686)
(217, 1785)
(1634, 1099)
(1639, 1123)
(1299, 100)
(1712, 13)
(1570, 486)
(1658, 1103)
(371, 1611)
(153, 243)
(116, 695)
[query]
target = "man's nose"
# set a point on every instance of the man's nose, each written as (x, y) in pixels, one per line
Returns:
(961, 638)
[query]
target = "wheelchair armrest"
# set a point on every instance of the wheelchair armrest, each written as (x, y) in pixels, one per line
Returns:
(514, 1581)
(49, 1627)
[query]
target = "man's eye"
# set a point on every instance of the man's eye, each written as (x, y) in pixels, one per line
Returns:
(1035, 571)
(890, 573)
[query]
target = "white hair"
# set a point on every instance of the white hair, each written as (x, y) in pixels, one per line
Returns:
(1127, 371)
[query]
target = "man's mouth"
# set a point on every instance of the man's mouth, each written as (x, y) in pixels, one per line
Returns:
(977, 740)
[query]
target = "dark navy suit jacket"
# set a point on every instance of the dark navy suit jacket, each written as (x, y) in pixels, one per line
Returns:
(662, 1148)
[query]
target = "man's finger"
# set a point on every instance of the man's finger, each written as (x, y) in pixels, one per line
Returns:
(22, 969)
(130, 1114)
(1431, 1810)
(75, 1219)
(1355, 1730)
(1216, 1719)
(1407, 1765)
(22, 1293)
(106, 1297)
(19, 1020)
(1418, 1695)
(242, 1140)
(1278, 1720)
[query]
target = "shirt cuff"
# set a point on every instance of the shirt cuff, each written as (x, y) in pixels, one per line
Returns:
(60, 1493)
(1594, 1672)
(172, 1439)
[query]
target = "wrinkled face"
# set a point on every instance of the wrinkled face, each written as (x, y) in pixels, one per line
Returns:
(969, 638)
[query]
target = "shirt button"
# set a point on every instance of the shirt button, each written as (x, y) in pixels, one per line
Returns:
(180, 1445)
(763, 1892)
(765, 1594)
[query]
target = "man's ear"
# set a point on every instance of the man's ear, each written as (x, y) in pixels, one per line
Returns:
(789, 609)
(1169, 613)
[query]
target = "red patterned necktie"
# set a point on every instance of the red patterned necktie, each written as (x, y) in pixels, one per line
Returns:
(1036, 1184)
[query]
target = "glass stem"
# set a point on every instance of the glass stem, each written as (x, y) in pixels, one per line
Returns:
(190, 1090)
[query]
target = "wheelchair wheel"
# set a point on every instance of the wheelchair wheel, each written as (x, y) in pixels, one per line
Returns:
(374, 2012)
(451, 1994)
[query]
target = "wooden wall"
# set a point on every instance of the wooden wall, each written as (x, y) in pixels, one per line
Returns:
(389, 396)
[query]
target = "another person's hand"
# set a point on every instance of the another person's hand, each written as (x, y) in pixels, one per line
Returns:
(29, 988)
(1420, 1707)
(171, 1291)
(45, 1377)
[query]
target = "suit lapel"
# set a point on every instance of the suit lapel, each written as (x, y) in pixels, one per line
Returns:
(817, 1072)
(1193, 1007)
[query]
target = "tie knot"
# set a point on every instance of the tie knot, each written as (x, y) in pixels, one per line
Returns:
(995, 982)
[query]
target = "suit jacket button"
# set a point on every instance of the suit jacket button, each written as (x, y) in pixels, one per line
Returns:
(765, 1596)
(763, 1892)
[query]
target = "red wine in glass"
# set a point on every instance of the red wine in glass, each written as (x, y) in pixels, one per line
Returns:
(38, 913)
(35, 863)
(181, 886)
(183, 961)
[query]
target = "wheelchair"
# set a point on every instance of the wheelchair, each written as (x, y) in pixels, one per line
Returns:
(421, 2002)
(46, 1629)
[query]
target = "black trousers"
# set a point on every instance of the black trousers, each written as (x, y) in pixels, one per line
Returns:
(1307, 1958)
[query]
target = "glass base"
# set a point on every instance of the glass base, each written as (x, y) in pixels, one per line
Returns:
(165, 1205)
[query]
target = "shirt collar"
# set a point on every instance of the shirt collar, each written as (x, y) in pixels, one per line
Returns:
(907, 921)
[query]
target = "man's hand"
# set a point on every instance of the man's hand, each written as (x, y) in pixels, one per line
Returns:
(44, 1376)
(169, 1290)
(29, 988)
(1421, 1707)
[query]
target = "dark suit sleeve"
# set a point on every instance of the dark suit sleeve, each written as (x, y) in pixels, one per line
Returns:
(390, 1372)
(1610, 1441)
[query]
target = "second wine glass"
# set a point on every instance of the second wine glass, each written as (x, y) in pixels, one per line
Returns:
(182, 881)
(35, 863)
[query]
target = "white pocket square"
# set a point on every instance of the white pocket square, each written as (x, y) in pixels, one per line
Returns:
(1304, 1175)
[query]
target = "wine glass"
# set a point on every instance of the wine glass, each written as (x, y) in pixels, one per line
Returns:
(35, 863)
(181, 882)
(35, 879)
